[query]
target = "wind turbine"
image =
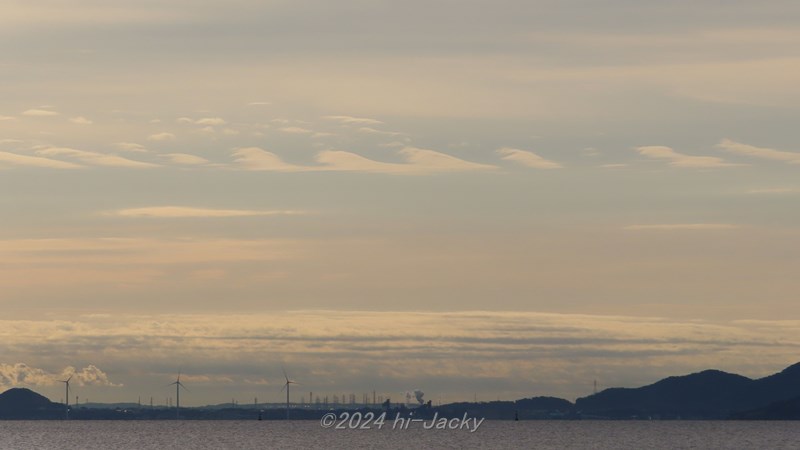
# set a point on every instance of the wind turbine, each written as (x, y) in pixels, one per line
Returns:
(66, 384)
(178, 386)
(286, 386)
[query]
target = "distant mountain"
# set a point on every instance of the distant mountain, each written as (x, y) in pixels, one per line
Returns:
(707, 394)
(526, 408)
(24, 403)
(543, 404)
(783, 410)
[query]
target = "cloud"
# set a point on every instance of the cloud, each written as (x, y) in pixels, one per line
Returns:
(433, 161)
(161, 137)
(184, 158)
(95, 159)
(189, 212)
(369, 130)
(20, 374)
(259, 103)
(131, 147)
(34, 161)
(39, 113)
(206, 121)
(759, 152)
(254, 158)
(80, 120)
(684, 226)
(419, 162)
(131, 261)
(353, 120)
(211, 121)
(4, 118)
(527, 158)
(296, 130)
(681, 160)
(89, 376)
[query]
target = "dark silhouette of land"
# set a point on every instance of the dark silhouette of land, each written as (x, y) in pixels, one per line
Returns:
(21, 403)
(710, 394)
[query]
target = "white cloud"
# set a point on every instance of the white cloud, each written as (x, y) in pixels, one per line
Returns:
(93, 158)
(189, 212)
(184, 120)
(4, 118)
(419, 162)
(353, 120)
(230, 132)
(161, 137)
(684, 226)
(433, 161)
(681, 160)
(369, 130)
(259, 103)
(211, 121)
(759, 152)
(89, 376)
(184, 158)
(34, 161)
(527, 158)
(80, 120)
(20, 374)
(254, 158)
(131, 147)
(39, 113)
(296, 130)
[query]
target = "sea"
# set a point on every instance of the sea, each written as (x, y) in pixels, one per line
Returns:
(305, 434)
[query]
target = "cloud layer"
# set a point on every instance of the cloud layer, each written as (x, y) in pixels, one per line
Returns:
(514, 354)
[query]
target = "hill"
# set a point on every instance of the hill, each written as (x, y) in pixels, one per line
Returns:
(706, 394)
(22, 403)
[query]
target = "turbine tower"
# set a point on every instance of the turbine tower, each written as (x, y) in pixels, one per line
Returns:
(66, 384)
(286, 386)
(178, 386)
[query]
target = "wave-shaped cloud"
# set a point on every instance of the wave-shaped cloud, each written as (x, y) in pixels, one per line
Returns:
(15, 159)
(418, 162)
(94, 158)
(527, 158)
(759, 152)
(677, 159)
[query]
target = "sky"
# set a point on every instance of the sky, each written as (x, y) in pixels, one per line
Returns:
(475, 199)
